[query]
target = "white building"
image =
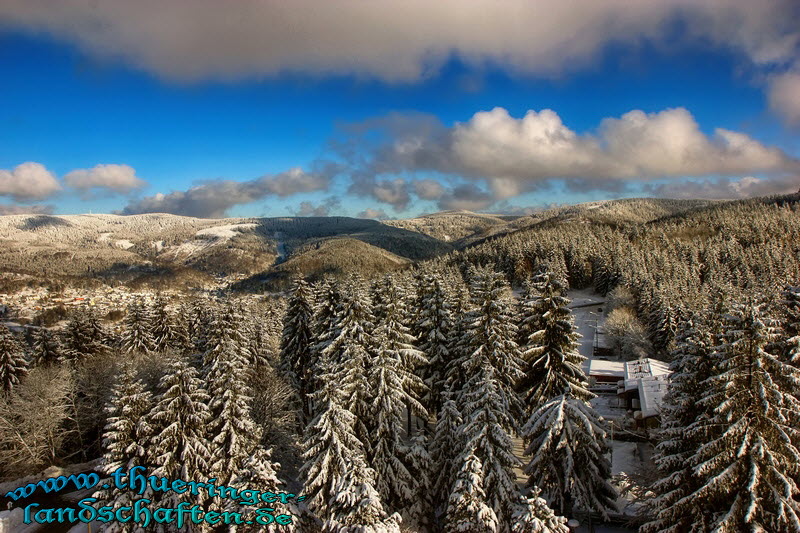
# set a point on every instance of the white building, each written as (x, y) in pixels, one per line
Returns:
(643, 387)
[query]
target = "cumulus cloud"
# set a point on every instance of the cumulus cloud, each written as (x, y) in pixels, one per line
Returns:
(369, 212)
(725, 188)
(7, 209)
(117, 178)
(513, 155)
(428, 189)
(636, 145)
(394, 192)
(308, 209)
(212, 199)
(467, 197)
(28, 181)
(784, 96)
(395, 41)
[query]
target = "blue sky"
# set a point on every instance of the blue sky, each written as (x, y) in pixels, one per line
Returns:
(108, 112)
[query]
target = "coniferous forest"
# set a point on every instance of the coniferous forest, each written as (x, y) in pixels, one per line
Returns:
(449, 394)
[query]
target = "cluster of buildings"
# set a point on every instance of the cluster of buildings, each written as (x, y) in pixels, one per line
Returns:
(640, 386)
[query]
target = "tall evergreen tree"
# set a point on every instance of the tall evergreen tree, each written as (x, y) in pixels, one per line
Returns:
(392, 388)
(179, 420)
(125, 441)
(446, 442)
(169, 333)
(489, 333)
(330, 445)
(529, 312)
(483, 434)
(533, 515)
(435, 329)
(552, 361)
(467, 510)
(258, 470)
(84, 335)
(13, 363)
(791, 324)
(348, 353)
(356, 506)
(421, 511)
(568, 455)
(297, 343)
(749, 465)
(138, 335)
(234, 435)
(199, 322)
(392, 338)
(694, 361)
(46, 348)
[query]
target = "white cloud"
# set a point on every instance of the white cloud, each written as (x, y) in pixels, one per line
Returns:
(308, 209)
(637, 145)
(395, 40)
(369, 212)
(118, 178)
(508, 151)
(512, 156)
(294, 181)
(784, 96)
(38, 209)
(725, 188)
(212, 199)
(428, 189)
(28, 181)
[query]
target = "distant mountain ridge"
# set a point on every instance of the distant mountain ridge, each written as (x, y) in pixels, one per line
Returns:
(188, 251)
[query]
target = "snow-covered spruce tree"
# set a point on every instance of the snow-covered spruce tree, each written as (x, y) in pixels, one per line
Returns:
(234, 435)
(421, 511)
(533, 515)
(393, 337)
(199, 321)
(138, 335)
(259, 471)
(124, 441)
(444, 452)
(488, 333)
(356, 505)
(483, 434)
(84, 335)
(46, 348)
(435, 328)
(393, 387)
(329, 446)
(527, 310)
(13, 363)
(569, 456)
(169, 332)
(179, 423)
(349, 353)
(327, 298)
(694, 361)
(467, 510)
(297, 343)
(791, 324)
(224, 334)
(662, 323)
(749, 466)
(552, 361)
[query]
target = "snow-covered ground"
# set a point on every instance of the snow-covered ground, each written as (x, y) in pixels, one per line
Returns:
(228, 231)
(589, 311)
